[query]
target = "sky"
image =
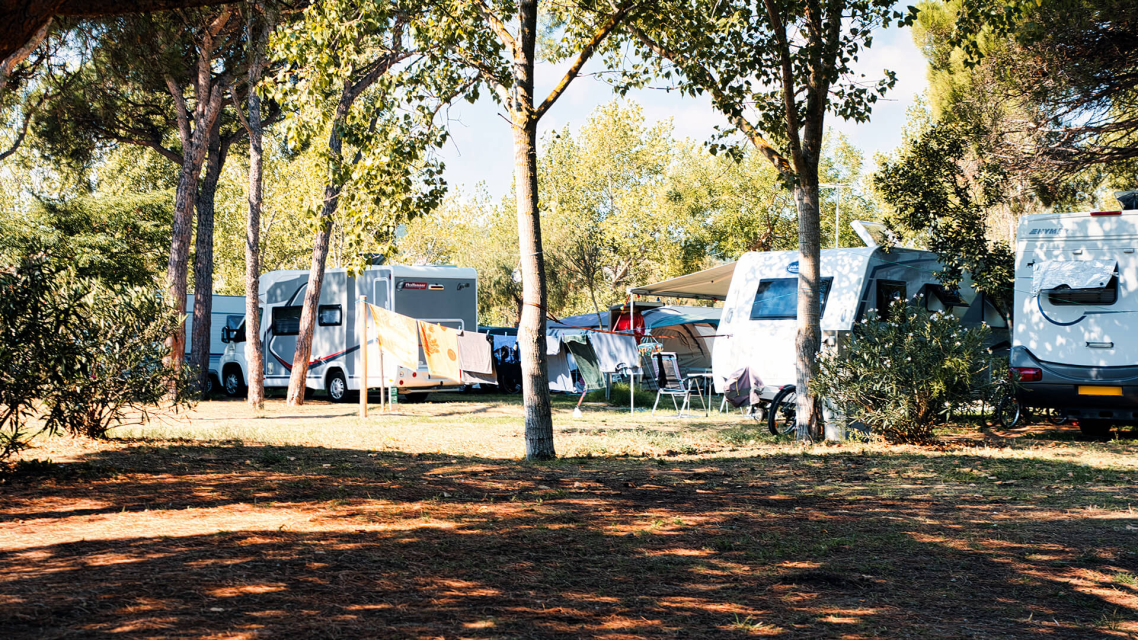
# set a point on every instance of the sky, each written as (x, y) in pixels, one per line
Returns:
(481, 146)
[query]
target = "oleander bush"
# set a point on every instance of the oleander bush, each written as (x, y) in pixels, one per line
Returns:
(907, 374)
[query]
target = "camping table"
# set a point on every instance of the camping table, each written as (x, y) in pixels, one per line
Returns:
(703, 379)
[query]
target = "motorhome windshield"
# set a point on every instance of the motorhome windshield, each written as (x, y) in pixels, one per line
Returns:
(777, 298)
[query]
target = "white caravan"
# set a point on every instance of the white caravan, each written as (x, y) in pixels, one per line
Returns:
(228, 311)
(1074, 346)
(444, 295)
(759, 322)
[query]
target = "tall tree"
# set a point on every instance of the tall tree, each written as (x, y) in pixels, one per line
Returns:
(258, 41)
(775, 68)
(349, 51)
(505, 61)
(130, 92)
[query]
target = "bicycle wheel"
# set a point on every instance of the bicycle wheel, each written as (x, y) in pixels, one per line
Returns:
(782, 418)
(1009, 412)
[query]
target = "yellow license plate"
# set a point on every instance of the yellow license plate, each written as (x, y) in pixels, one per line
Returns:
(1100, 391)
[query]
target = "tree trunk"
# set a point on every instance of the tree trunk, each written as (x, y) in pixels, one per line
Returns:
(180, 249)
(531, 328)
(203, 256)
(195, 143)
(808, 340)
(254, 364)
(299, 375)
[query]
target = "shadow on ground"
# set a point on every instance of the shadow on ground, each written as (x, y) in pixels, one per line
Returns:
(190, 540)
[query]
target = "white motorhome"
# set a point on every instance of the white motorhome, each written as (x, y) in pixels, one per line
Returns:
(1076, 303)
(227, 311)
(444, 295)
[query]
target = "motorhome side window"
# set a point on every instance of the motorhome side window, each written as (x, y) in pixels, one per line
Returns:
(286, 321)
(777, 298)
(888, 292)
(329, 315)
(1103, 296)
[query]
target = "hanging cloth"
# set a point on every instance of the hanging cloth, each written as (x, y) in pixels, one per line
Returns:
(440, 345)
(476, 358)
(398, 336)
(587, 364)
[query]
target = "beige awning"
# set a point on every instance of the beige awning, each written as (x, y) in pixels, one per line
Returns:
(709, 284)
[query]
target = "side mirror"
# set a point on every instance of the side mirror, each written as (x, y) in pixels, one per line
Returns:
(226, 335)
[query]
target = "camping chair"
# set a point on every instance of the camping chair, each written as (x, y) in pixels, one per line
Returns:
(666, 367)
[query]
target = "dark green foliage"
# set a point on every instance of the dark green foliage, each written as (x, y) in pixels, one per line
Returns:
(113, 239)
(933, 196)
(36, 305)
(118, 373)
(904, 376)
(76, 353)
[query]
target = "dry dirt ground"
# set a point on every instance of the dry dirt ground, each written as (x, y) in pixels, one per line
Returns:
(312, 523)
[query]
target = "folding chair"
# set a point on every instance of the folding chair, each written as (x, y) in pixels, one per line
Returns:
(666, 367)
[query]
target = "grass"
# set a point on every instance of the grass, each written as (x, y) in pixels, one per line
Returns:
(312, 522)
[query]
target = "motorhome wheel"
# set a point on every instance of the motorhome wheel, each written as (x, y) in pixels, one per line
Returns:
(337, 386)
(782, 419)
(234, 383)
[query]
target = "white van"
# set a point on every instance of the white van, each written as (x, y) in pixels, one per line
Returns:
(227, 311)
(444, 295)
(1076, 306)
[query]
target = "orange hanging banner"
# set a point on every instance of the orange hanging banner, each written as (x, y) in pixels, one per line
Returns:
(440, 344)
(397, 335)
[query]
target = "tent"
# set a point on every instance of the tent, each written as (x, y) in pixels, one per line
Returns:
(689, 332)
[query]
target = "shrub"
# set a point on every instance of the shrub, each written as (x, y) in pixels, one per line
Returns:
(903, 376)
(119, 373)
(77, 355)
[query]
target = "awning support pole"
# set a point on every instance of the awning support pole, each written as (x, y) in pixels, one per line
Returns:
(632, 369)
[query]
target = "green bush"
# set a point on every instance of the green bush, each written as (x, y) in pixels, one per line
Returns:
(904, 376)
(75, 354)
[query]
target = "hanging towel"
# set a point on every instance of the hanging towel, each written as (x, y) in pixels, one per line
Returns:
(586, 360)
(398, 336)
(614, 350)
(560, 376)
(440, 345)
(476, 358)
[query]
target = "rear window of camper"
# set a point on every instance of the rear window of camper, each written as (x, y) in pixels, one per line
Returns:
(778, 298)
(1105, 295)
(286, 321)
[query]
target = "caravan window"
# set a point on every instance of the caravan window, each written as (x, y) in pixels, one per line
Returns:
(1104, 296)
(889, 291)
(286, 321)
(329, 315)
(778, 298)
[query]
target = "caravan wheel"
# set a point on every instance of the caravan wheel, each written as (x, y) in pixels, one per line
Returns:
(782, 418)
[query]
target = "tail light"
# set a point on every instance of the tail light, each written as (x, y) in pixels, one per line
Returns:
(1106, 213)
(1026, 374)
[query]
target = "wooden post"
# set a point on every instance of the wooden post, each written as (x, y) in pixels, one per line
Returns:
(362, 304)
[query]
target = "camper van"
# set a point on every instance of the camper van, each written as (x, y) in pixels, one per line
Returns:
(444, 295)
(1076, 303)
(228, 311)
(759, 322)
